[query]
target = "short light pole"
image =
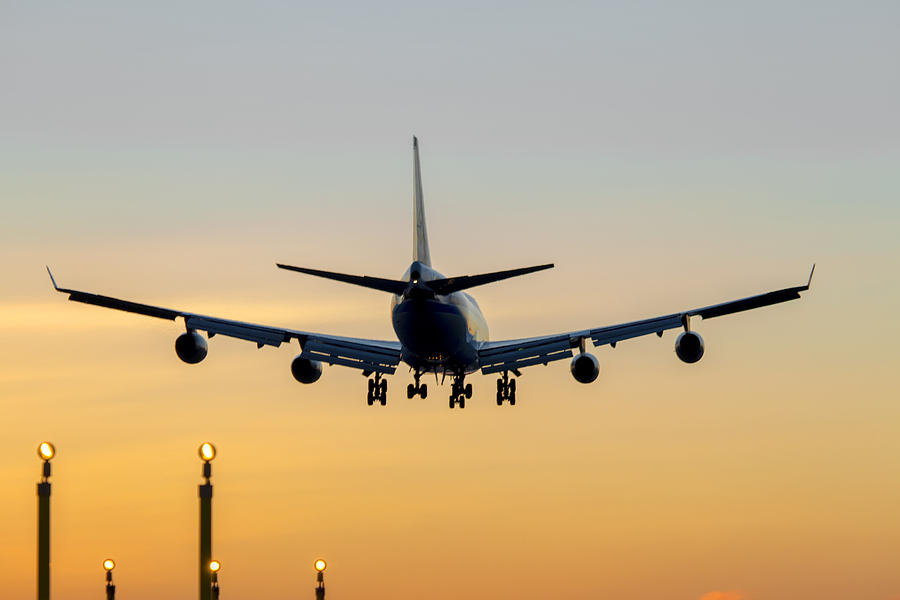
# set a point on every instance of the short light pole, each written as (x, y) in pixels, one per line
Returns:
(108, 565)
(46, 451)
(214, 567)
(207, 452)
(320, 579)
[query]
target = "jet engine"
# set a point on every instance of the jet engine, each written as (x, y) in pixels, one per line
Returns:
(585, 367)
(191, 347)
(689, 347)
(305, 370)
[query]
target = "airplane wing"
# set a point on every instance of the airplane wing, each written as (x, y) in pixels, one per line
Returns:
(511, 355)
(370, 356)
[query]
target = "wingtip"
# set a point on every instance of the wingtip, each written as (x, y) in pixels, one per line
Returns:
(811, 271)
(52, 280)
(415, 142)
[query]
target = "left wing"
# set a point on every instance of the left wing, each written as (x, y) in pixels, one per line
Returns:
(367, 355)
(511, 355)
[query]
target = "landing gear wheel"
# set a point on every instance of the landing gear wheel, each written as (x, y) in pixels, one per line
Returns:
(423, 390)
(506, 390)
(462, 402)
(468, 391)
(377, 390)
(410, 391)
(452, 402)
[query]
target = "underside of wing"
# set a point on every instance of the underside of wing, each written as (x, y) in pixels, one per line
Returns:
(366, 355)
(510, 355)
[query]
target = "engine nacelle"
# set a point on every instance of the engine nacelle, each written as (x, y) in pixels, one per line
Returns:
(585, 367)
(191, 347)
(305, 370)
(689, 346)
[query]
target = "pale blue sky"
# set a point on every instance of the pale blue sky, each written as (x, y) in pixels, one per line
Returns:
(649, 77)
(208, 109)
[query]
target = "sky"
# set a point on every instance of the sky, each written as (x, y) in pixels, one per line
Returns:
(663, 155)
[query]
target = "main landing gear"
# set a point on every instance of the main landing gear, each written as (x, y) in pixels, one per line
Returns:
(506, 390)
(460, 391)
(419, 389)
(377, 390)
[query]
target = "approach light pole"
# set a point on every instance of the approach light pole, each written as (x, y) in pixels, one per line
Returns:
(207, 452)
(214, 567)
(108, 565)
(46, 451)
(320, 579)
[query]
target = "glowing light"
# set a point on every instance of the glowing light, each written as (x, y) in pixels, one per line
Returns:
(109, 564)
(320, 565)
(214, 566)
(207, 451)
(46, 450)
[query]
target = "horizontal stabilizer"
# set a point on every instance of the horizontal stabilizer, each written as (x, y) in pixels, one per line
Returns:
(391, 286)
(440, 287)
(464, 282)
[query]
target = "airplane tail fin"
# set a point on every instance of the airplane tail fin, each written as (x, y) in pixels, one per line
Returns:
(421, 252)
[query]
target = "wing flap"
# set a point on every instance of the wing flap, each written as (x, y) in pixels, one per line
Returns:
(352, 354)
(523, 353)
(617, 333)
(262, 335)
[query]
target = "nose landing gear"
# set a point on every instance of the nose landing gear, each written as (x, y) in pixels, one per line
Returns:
(506, 390)
(377, 390)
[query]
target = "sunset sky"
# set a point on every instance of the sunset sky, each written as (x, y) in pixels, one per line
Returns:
(663, 155)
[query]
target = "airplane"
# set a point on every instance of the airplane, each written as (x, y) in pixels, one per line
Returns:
(440, 328)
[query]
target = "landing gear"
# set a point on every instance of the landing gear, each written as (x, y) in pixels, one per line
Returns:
(460, 391)
(506, 390)
(419, 389)
(377, 390)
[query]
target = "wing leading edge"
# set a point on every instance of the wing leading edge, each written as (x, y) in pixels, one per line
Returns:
(510, 355)
(367, 355)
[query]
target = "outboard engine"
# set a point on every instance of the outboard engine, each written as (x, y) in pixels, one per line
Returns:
(305, 370)
(191, 347)
(689, 346)
(585, 367)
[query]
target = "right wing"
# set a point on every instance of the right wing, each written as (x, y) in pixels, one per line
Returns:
(367, 355)
(511, 355)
